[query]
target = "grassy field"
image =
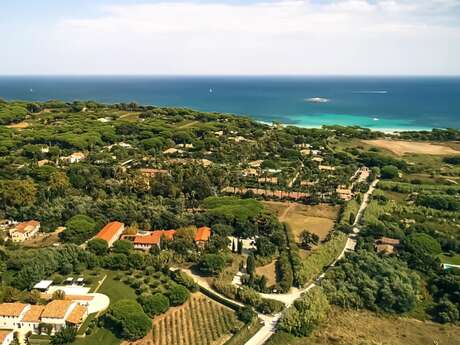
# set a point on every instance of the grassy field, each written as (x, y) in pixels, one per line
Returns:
(347, 327)
(116, 289)
(200, 321)
(98, 337)
(453, 260)
(318, 219)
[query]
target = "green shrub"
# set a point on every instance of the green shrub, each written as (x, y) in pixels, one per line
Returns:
(178, 295)
(154, 305)
(306, 313)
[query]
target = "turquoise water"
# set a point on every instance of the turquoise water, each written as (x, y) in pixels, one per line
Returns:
(375, 102)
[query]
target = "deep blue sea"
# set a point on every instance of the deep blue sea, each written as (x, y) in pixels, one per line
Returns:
(375, 102)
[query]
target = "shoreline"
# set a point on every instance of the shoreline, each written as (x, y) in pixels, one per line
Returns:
(393, 131)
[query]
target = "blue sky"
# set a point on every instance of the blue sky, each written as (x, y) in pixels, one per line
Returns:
(288, 37)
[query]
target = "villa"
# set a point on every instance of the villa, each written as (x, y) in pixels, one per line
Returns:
(111, 232)
(24, 230)
(58, 314)
(74, 157)
(145, 242)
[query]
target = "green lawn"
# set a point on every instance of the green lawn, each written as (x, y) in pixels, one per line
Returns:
(453, 260)
(115, 289)
(100, 336)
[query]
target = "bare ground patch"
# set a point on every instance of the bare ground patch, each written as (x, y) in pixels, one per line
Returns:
(269, 271)
(19, 125)
(400, 147)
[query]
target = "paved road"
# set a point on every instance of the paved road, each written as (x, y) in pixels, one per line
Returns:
(270, 322)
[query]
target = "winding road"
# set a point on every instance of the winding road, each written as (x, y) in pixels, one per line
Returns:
(270, 321)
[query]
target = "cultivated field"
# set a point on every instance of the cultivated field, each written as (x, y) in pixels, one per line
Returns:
(200, 321)
(400, 147)
(349, 327)
(318, 219)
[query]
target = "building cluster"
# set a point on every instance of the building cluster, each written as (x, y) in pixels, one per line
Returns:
(19, 232)
(49, 318)
(145, 240)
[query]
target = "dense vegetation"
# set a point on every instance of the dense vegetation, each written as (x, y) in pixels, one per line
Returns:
(165, 168)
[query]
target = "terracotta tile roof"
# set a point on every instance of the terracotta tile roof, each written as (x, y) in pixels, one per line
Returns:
(202, 234)
(154, 237)
(27, 226)
(109, 231)
(56, 309)
(33, 314)
(388, 240)
(4, 334)
(11, 309)
(76, 315)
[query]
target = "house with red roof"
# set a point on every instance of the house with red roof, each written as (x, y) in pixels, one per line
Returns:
(24, 230)
(202, 236)
(153, 238)
(6, 337)
(58, 314)
(111, 232)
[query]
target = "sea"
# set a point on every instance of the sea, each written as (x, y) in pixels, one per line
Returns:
(381, 103)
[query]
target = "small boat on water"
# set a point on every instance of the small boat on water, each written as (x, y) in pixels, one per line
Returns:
(317, 100)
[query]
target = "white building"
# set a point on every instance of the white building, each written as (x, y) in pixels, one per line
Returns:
(74, 157)
(58, 314)
(24, 230)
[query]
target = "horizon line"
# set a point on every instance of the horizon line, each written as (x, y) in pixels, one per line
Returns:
(242, 75)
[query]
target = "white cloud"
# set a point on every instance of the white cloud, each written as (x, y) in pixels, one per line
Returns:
(281, 37)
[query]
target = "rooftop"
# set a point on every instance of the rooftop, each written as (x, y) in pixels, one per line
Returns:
(203, 234)
(3, 334)
(43, 285)
(11, 309)
(34, 313)
(27, 226)
(154, 237)
(77, 314)
(56, 309)
(109, 231)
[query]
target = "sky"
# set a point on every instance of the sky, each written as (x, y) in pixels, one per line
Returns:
(233, 37)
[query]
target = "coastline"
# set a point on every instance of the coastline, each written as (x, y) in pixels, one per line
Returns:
(386, 130)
